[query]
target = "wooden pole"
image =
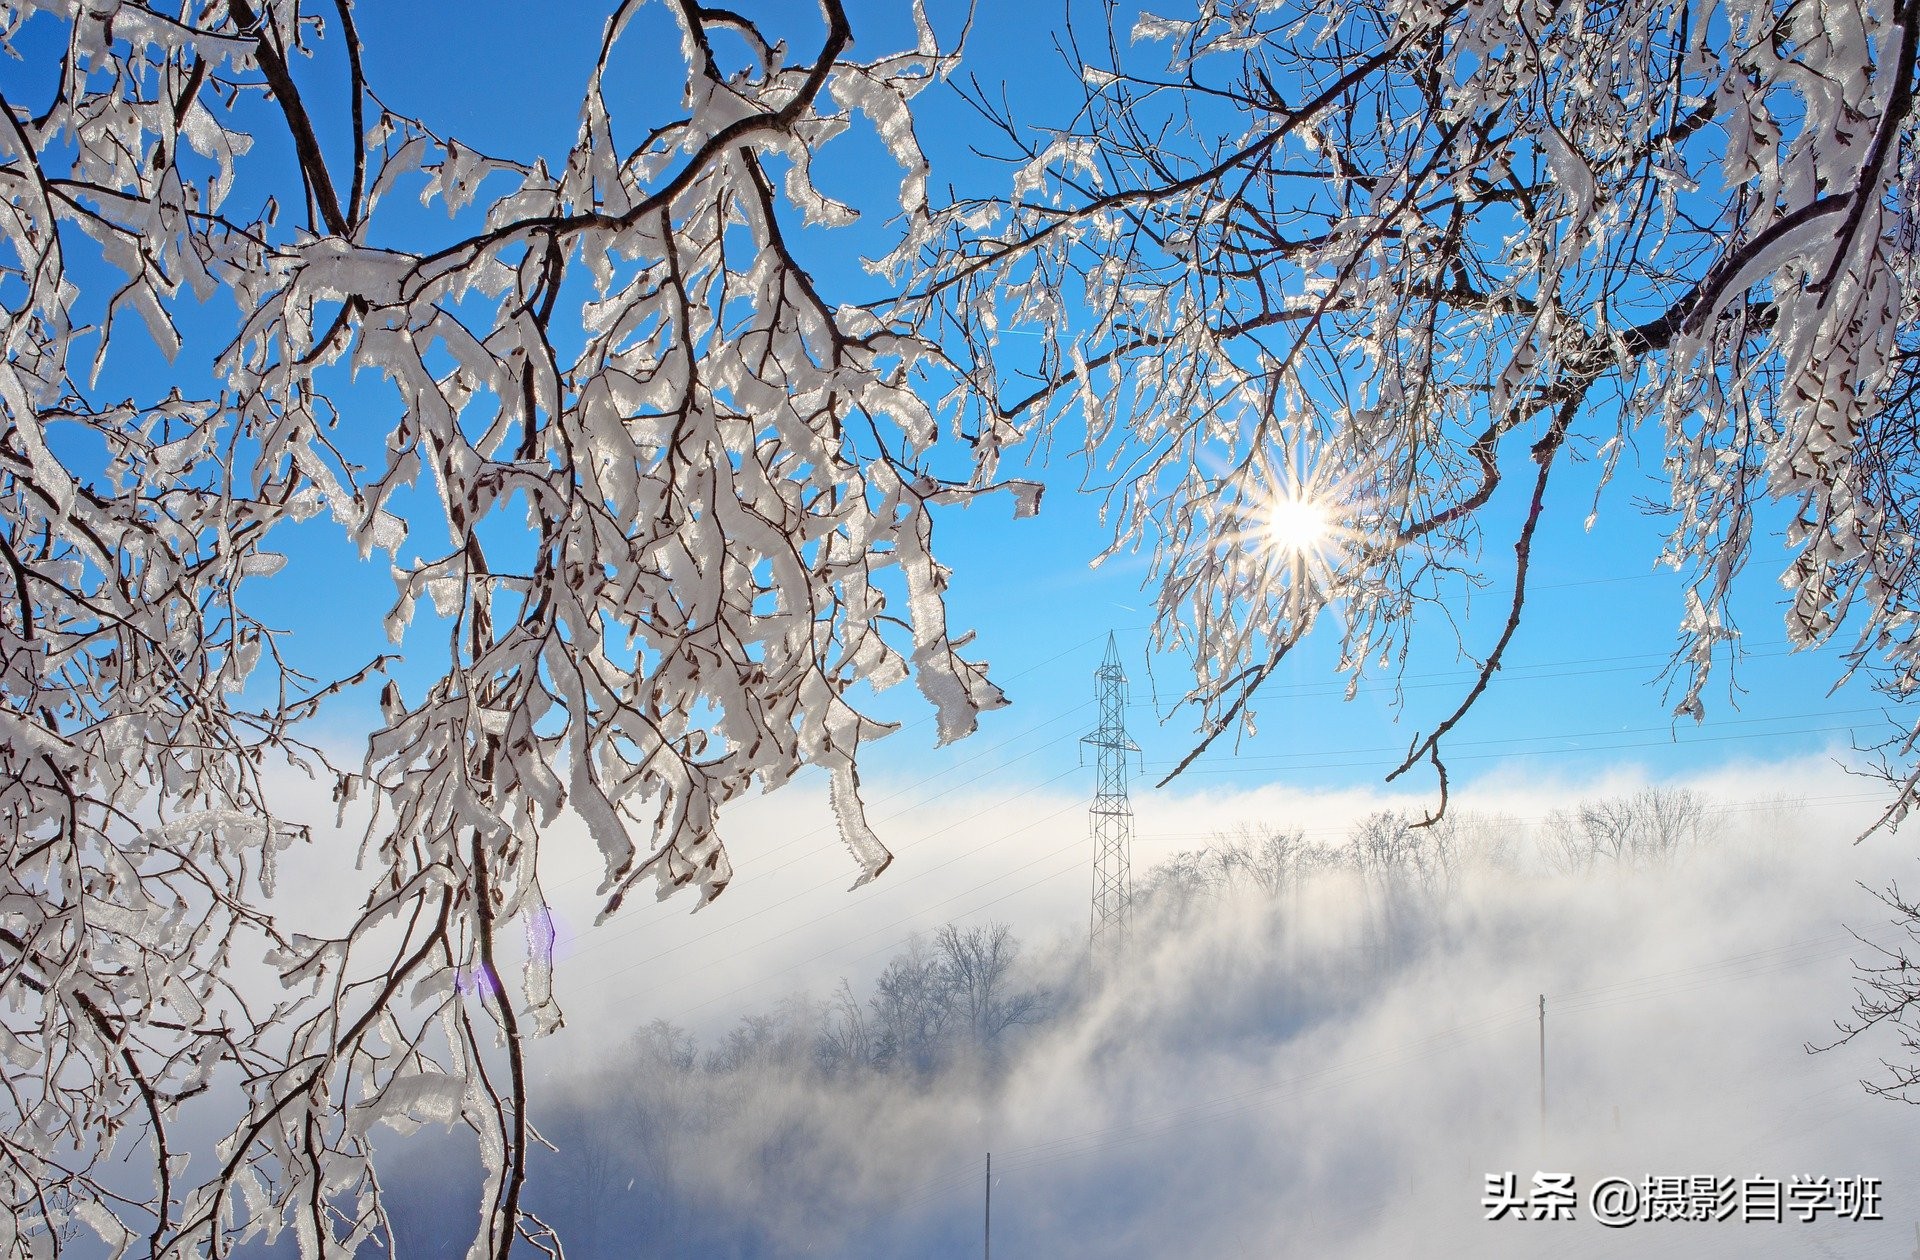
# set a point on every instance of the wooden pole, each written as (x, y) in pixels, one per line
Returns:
(988, 1251)
(1543, 1076)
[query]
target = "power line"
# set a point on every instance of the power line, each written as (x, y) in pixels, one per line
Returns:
(893, 943)
(1770, 803)
(1244, 763)
(923, 721)
(603, 939)
(1294, 761)
(883, 890)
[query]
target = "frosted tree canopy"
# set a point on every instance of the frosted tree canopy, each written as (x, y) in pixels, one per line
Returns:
(1384, 257)
(1332, 272)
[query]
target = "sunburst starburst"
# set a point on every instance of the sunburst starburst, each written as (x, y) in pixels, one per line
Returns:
(1296, 526)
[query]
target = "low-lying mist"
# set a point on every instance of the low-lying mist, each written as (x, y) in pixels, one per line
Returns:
(1308, 1049)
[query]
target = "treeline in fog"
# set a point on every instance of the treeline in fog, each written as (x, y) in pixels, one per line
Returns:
(827, 1123)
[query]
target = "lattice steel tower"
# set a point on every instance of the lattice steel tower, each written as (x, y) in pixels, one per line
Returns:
(1111, 819)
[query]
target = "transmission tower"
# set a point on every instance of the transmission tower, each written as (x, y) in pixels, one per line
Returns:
(1111, 819)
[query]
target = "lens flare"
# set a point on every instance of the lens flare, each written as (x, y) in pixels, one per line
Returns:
(1297, 526)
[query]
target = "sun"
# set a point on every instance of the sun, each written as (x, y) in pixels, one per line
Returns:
(1297, 526)
(1296, 517)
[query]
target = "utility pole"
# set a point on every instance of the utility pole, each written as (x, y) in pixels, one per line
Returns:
(1543, 1077)
(988, 1253)
(1111, 818)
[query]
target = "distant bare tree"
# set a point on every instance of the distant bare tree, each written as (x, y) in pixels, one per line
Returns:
(938, 1000)
(783, 1039)
(911, 1008)
(661, 1108)
(845, 1039)
(978, 963)
(1171, 890)
(1391, 852)
(1654, 827)
(1487, 841)
(1268, 858)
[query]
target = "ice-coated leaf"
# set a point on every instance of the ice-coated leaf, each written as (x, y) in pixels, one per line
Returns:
(538, 979)
(105, 1225)
(850, 815)
(410, 1101)
(888, 108)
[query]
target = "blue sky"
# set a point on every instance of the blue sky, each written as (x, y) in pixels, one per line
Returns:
(1580, 689)
(1580, 693)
